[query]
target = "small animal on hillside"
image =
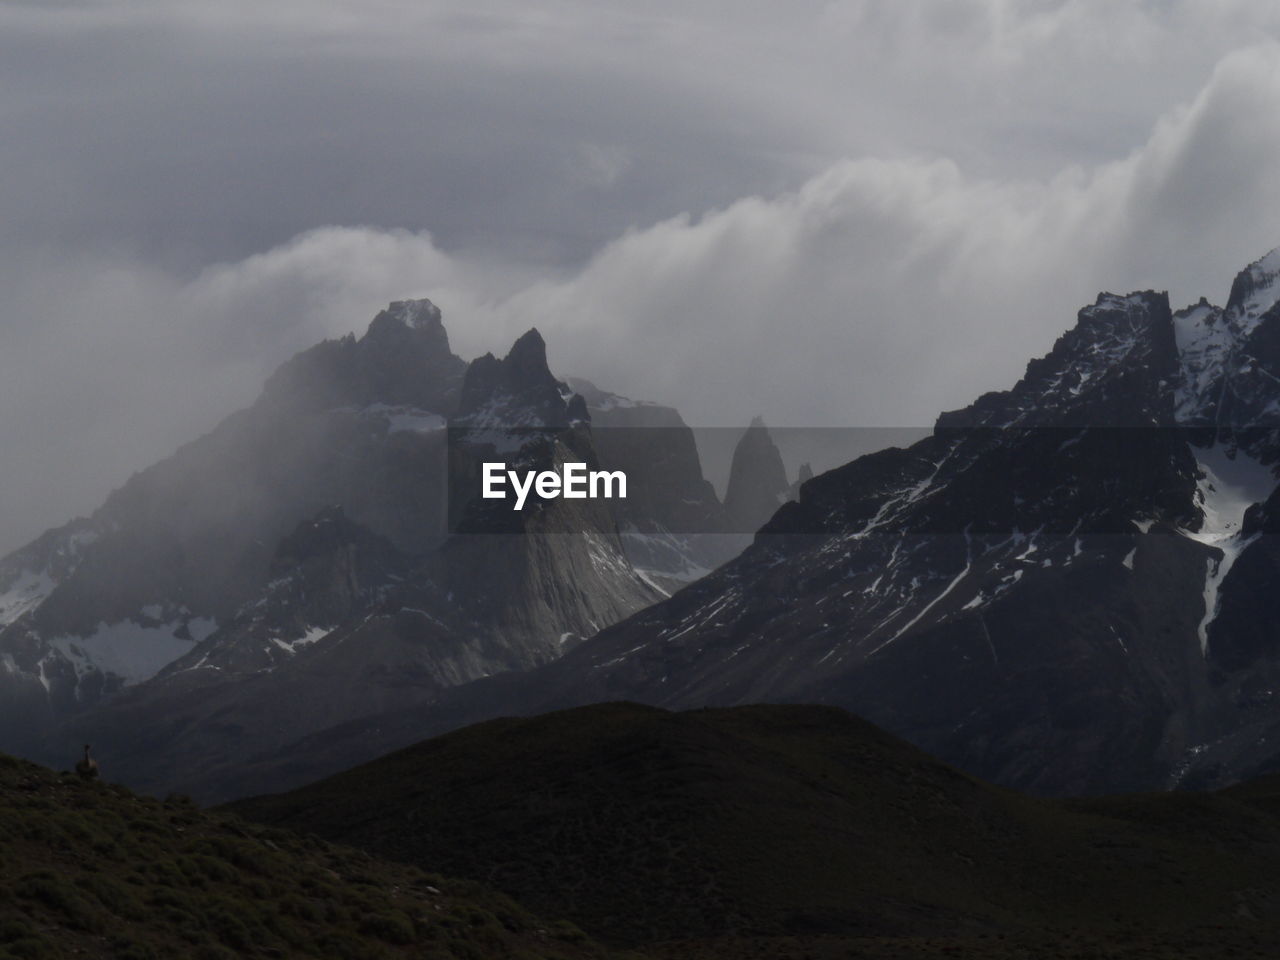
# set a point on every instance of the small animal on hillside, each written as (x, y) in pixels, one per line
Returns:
(88, 767)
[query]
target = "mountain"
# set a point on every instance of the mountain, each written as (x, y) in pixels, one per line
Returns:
(327, 546)
(348, 625)
(107, 601)
(1030, 592)
(801, 831)
(757, 479)
(1065, 588)
(674, 528)
(92, 870)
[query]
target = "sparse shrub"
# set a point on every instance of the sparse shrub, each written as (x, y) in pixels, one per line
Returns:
(394, 927)
(212, 951)
(569, 932)
(131, 950)
(260, 889)
(241, 854)
(167, 896)
(463, 950)
(56, 893)
(15, 928)
(74, 828)
(30, 948)
(508, 920)
(288, 931)
(229, 928)
(113, 895)
(107, 848)
(296, 906)
(214, 869)
(341, 945)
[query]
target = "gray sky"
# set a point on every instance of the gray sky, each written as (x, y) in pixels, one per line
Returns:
(847, 213)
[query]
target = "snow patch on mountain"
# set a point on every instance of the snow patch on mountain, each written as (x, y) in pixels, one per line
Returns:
(126, 649)
(1230, 483)
(1263, 279)
(1205, 341)
(415, 314)
(405, 419)
(313, 635)
(26, 592)
(201, 628)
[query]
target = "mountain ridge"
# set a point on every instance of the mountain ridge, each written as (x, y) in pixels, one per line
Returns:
(714, 826)
(187, 586)
(1053, 591)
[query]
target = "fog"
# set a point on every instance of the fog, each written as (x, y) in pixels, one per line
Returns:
(842, 214)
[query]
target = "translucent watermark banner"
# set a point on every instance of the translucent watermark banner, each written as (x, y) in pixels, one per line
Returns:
(921, 480)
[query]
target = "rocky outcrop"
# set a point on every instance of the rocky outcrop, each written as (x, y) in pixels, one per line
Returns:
(673, 526)
(757, 480)
(403, 360)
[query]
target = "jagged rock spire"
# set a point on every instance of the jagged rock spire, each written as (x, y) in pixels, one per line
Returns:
(757, 480)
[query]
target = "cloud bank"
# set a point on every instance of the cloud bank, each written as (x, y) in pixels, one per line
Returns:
(848, 214)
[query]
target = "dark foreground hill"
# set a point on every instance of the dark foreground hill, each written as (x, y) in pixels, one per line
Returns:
(91, 870)
(805, 832)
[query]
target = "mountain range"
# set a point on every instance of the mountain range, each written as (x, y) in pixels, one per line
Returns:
(1063, 588)
(325, 547)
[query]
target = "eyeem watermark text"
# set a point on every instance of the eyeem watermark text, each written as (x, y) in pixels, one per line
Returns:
(576, 482)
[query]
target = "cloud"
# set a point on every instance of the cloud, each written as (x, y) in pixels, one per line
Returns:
(888, 207)
(185, 132)
(881, 292)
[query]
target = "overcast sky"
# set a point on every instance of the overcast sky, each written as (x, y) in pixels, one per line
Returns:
(855, 212)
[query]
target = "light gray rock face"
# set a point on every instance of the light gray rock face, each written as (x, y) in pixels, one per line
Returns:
(674, 528)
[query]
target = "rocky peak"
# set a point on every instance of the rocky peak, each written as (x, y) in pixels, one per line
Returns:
(517, 391)
(1231, 357)
(1256, 289)
(526, 361)
(757, 480)
(415, 325)
(403, 359)
(1205, 341)
(1112, 368)
(414, 315)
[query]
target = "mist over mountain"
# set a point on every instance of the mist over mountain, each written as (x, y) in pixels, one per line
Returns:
(1062, 588)
(327, 547)
(925, 377)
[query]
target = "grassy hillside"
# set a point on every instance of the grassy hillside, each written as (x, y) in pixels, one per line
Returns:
(91, 870)
(803, 831)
